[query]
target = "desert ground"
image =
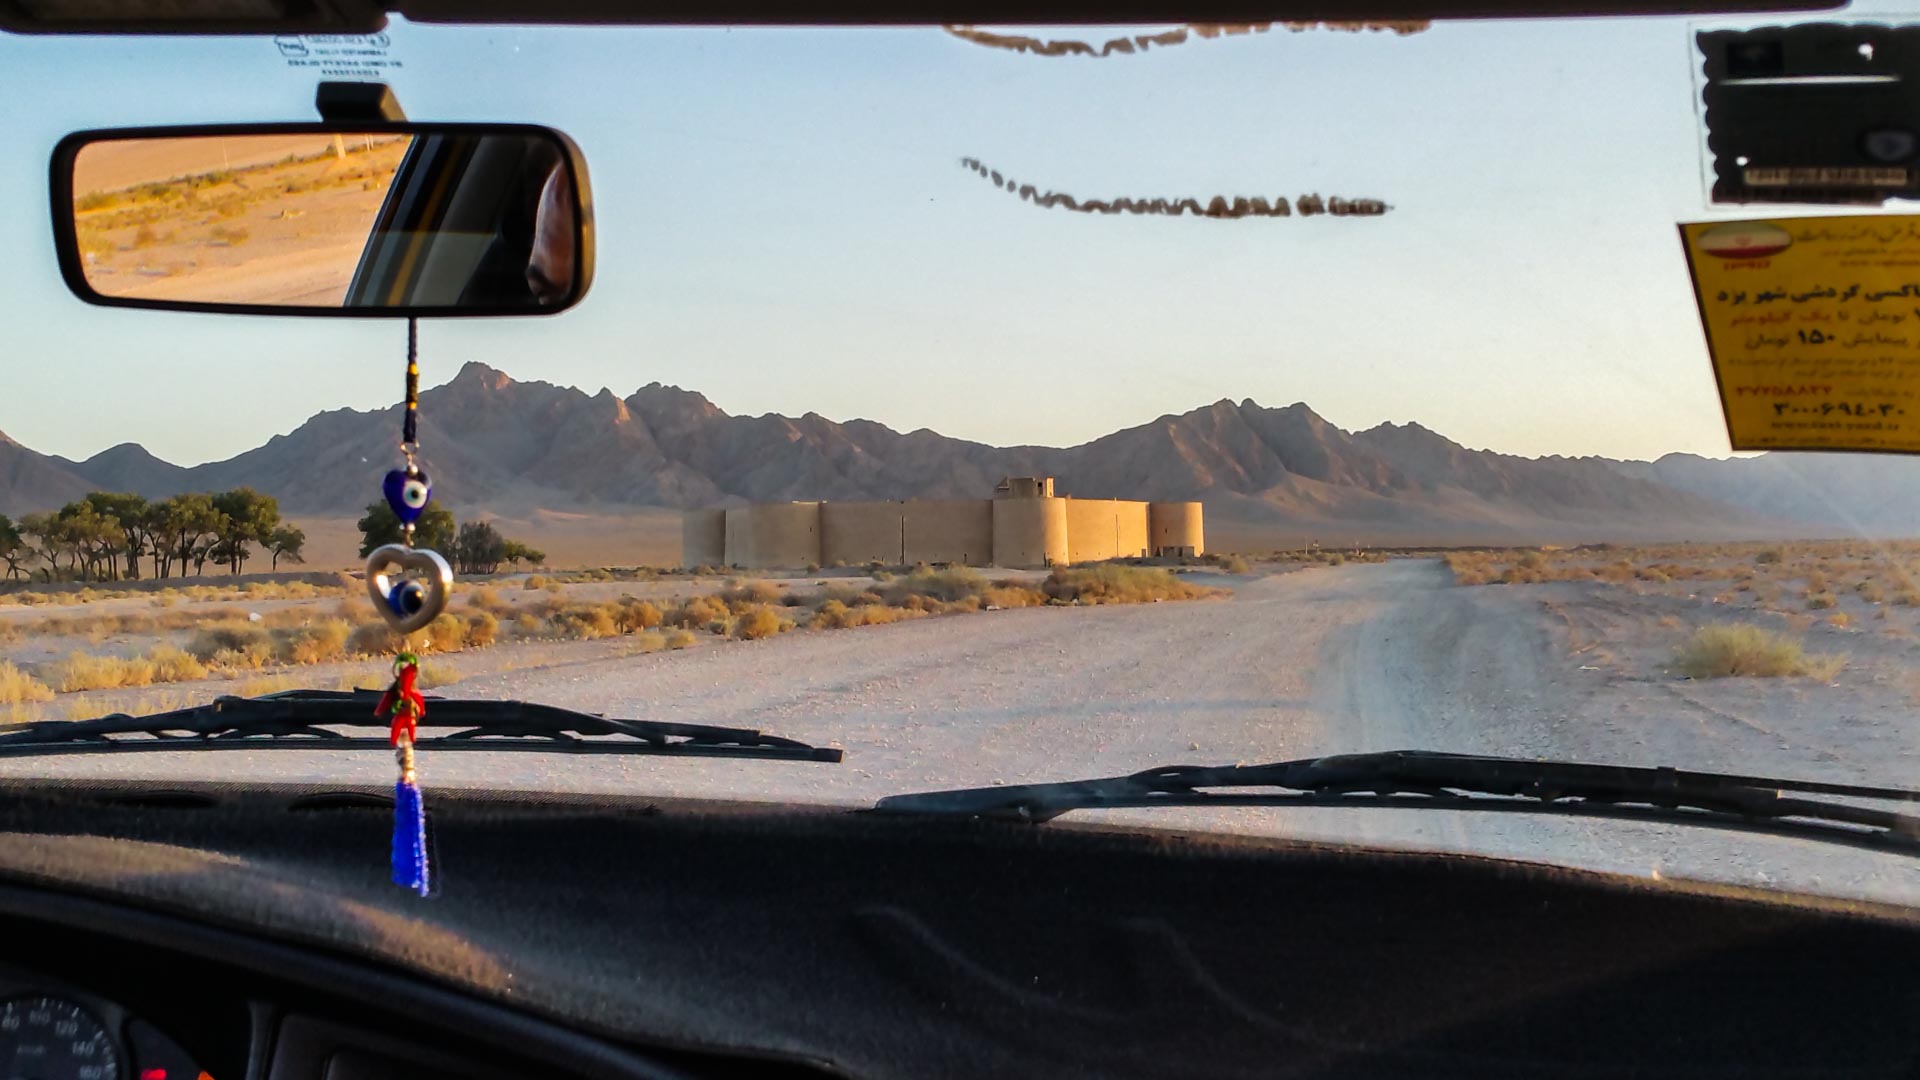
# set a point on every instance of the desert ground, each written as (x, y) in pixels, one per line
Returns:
(1294, 655)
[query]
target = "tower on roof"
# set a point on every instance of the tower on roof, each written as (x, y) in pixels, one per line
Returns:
(1024, 487)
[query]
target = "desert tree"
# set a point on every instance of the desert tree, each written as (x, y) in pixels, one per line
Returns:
(286, 542)
(434, 529)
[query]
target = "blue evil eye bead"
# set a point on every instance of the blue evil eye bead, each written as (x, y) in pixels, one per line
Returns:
(407, 492)
(407, 598)
(410, 602)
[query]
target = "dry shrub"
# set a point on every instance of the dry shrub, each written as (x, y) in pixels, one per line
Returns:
(682, 639)
(1726, 650)
(543, 607)
(315, 643)
(83, 672)
(1820, 601)
(1871, 592)
(1768, 555)
(1233, 564)
(527, 624)
(739, 595)
(171, 664)
(486, 598)
(1467, 567)
(534, 582)
(880, 615)
(432, 675)
(1816, 581)
(1111, 584)
(696, 612)
(831, 615)
(759, 622)
(946, 585)
(446, 633)
(232, 637)
(584, 622)
(1839, 620)
(650, 641)
(374, 639)
(18, 687)
(631, 614)
(1012, 594)
(251, 658)
(482, 629)
(834, 615)
(282, 618)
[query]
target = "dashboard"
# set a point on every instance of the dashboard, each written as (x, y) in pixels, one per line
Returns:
(141, 996)
(126, 1010)
(249, 933)
(50, 1030)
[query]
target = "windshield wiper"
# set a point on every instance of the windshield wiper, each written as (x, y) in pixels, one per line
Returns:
(310, 719)
(1422, 779)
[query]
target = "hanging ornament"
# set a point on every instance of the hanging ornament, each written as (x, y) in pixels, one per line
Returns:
(403, 706)
(408, 603)
(409, 587)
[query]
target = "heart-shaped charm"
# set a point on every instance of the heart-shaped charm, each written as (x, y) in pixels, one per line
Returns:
(408, 602)
(408, 491)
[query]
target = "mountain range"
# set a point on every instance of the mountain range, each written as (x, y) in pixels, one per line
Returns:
(495, 444)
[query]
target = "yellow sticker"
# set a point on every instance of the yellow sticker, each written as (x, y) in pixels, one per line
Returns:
(1813, 325)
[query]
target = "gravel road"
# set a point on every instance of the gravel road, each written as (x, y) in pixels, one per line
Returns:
(1353, 658)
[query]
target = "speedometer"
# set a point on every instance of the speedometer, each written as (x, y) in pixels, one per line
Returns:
(47, 1038)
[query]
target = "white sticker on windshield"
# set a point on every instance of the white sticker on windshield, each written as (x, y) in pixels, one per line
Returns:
(339, 56)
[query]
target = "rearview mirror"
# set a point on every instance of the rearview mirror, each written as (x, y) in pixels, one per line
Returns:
(323, 219)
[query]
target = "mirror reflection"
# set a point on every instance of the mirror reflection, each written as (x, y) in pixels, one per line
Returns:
(481, 222)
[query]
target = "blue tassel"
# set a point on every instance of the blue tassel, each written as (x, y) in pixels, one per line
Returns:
(409, 838)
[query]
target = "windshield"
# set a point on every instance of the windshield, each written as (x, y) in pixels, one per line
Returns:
(1379, 415)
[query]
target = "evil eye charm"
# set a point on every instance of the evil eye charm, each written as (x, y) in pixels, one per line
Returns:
(407, 491)
(409, 586)
(407, 598)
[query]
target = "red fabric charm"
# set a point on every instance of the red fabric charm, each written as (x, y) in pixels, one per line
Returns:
(402, 703)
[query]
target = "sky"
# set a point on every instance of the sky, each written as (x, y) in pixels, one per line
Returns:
(784, 226)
